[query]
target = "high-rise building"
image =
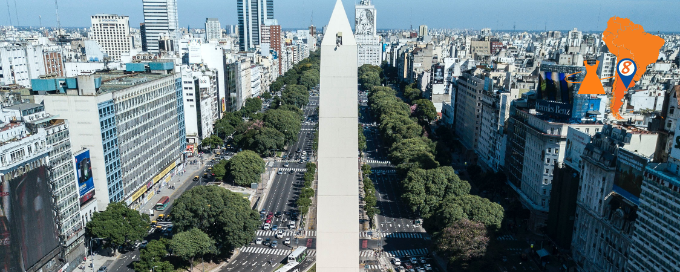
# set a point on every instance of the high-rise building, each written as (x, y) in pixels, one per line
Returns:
(422, 31)
(199, 87)
(160, 17)
(368, 42)
(21, 63)
(112, 32)
(251, 15)
(142, 35)
(213, 31)
(574, 38)
(657, 234)
(132, 124)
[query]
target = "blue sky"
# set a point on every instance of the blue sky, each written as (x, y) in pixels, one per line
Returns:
(653, 15)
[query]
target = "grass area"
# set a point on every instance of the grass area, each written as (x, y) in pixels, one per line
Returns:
(279, 153)
(313, 269)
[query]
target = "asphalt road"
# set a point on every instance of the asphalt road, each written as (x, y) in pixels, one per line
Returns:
(283, 194)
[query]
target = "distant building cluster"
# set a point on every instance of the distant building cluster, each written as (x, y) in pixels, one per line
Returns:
(605, 191)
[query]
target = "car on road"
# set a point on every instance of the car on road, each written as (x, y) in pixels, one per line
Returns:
(275, 244)
(292, 172)
(196, 178)
(422, 260)
(427, 267)
(268, 221)
(396, 261)
(278, 214)
(143, 244)
(266, 226)
(407, 265)
(279, 234)
(291, 224)
(267, 241)
(263, 211)
(287, 241)
(286, 165)
(279, 172)
(275, 227)
(258, 241)
(103, 269)
(414, 261)
(420, 269)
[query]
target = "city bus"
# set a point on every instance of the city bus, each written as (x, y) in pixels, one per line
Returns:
(163, 203)
(298, 255)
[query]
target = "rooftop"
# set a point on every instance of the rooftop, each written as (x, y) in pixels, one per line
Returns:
(24, 106)
(661, 170)
(118, 80)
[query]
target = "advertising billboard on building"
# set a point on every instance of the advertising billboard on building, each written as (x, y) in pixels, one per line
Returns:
(553, 85)
(576, 142)
(675, 146)
(27, 220)
(553, 108)
(438, 76)
(84, 176)
(629, 175)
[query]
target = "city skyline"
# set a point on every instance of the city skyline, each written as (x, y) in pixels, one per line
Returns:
(395, 14)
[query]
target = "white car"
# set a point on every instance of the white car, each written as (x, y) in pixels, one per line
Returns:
(396, 261)
(266, 226)
(287, 241)
(258, 241)
(279, 234)
(428, 267)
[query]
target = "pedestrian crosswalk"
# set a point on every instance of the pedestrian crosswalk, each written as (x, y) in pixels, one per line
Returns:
(272, 233)
(507, 237)
(372, 266)
(407, 252)
(266, 250)
(412, 235)
(308, 129)
(378, 162)
(264, 233)
(294, 169)
(273, 251)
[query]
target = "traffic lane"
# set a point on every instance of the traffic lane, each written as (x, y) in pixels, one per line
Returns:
(125, 262)
(251, 262)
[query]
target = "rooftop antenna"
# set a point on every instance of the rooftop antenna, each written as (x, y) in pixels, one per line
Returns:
(9, 14)
(16, 13)
(56, 6)
(40, 19)
(514, 28)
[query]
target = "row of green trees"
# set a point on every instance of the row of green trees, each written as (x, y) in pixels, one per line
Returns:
(432, 190)
(306, 193)
(371, 201)
(242, 169)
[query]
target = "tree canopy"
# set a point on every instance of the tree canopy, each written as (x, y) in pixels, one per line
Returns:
(286, 122)
(225, 216)
(245, 168)
(118, 224)
(192, 243)
(295, 95)
(464, 240)
(395, 128)
(309, 78)
(425, 110)
(252, 105)
(212, 142)
(153, 256)
(423, 190)
(362, 138)
(416, 152)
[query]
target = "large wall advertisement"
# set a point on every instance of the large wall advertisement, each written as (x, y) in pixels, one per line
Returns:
(555, 93)
(84, 175)
(629, 175)
(438, 77)
(27, 220)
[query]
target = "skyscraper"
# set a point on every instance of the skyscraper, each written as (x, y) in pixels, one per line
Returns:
(160, 16)
(370, 50)
(251, 15)
(112, 32)
(213, 31)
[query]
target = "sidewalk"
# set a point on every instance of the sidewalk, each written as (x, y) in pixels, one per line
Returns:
(180, 181)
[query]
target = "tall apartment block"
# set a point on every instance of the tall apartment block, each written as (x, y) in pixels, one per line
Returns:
(612, 167)
(213, 31)
(160, 18)
(131, 121)
(112, 32)
(368, 41)
(251, 15)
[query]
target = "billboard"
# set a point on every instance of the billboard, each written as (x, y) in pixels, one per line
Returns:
(629, 175)
(84, 176)
(27, 219)
(438, 76)
(675, 150)
(576, 143)
(554, 108)
(553, 86)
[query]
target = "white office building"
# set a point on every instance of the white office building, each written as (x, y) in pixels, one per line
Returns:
(368, 41)
(112, 32)
(21, 63)
(160, 17)
(213, 30)
(199, 91)
(133, 125)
